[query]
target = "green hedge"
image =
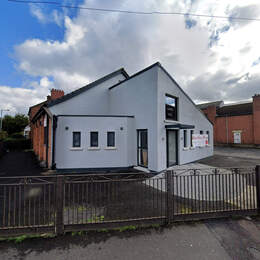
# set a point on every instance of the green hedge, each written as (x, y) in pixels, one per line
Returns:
(17, 144)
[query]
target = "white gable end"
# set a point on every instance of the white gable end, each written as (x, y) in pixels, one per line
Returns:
(92, 101)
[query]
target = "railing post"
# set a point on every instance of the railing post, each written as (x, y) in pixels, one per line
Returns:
(169, 197)
(59, 223)
(257, 173)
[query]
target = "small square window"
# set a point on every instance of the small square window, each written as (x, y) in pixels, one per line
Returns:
(76, 142)
(201, 132)
(93, 139)
(110, 139)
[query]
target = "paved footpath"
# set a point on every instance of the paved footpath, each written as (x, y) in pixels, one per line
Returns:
(216, 239)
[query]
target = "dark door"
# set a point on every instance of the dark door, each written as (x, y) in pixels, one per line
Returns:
(172, 147)
(142, 148)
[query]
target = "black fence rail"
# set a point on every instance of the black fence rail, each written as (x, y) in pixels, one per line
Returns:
(103, 201)
(27, 203)
(64, 203)
(212, 192)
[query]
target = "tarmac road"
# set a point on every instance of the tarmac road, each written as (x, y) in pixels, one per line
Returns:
(233, 157)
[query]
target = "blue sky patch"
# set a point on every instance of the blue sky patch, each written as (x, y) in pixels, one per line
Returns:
(256, 62)
(189, 23)
(17, 24)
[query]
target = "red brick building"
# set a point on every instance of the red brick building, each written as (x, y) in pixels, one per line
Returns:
(41, 128)
(235, 124)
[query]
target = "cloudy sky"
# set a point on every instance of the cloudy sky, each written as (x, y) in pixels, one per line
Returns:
(44, 46)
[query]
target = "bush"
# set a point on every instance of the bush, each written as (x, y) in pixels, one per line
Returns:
(17, 144)
(17, 136)
(3, 135)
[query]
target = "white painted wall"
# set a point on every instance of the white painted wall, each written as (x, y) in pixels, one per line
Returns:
(91, 102)
(137, 97)
(188, 114)
(69, 158)
(143, 96)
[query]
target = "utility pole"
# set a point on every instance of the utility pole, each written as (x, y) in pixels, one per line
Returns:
(1, 119)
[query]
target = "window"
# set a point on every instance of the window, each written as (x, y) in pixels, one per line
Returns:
(171, 109)
(76, 139)
(208, 136)
(191, 134)
(201, 132)
(185, 143)
(94, 139)
(142, 147)
(110, 139)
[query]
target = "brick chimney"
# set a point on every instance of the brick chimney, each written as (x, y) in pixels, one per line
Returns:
(55, 93)
(256, 118)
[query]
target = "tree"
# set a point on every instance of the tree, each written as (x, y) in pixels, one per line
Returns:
(15, 124)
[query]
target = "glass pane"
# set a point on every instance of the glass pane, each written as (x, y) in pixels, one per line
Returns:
(191, 134)
(94, 139)
(185, 138)
(172, 149)
(142, 148)
(76, 139)
(143, 139)
(111, 139)
(144, 157)
(171, 108)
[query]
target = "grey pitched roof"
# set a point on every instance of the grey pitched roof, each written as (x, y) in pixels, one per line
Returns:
(87, 87)
(236, 109)
(209, 104)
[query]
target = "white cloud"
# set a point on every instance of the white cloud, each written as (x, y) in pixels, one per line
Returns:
(18, 100)
(209, 59)
(45, 17)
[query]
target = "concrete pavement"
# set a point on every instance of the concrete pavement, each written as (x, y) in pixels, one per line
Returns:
(216, 239)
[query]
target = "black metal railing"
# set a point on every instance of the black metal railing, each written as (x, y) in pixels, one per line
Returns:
(63, 203)
(213, 192)
(27, 202)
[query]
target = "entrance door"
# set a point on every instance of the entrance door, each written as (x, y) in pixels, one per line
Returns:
(172, 147)
(142, 148)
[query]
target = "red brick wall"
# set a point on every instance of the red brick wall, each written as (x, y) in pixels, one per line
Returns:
(38, 140)
(256, 118)
(243, 123)
(37, 129)
(49, 145)
(33, 111)
(210, 112)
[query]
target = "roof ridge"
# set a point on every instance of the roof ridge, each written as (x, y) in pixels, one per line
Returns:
(87, 87)
(136, 74)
